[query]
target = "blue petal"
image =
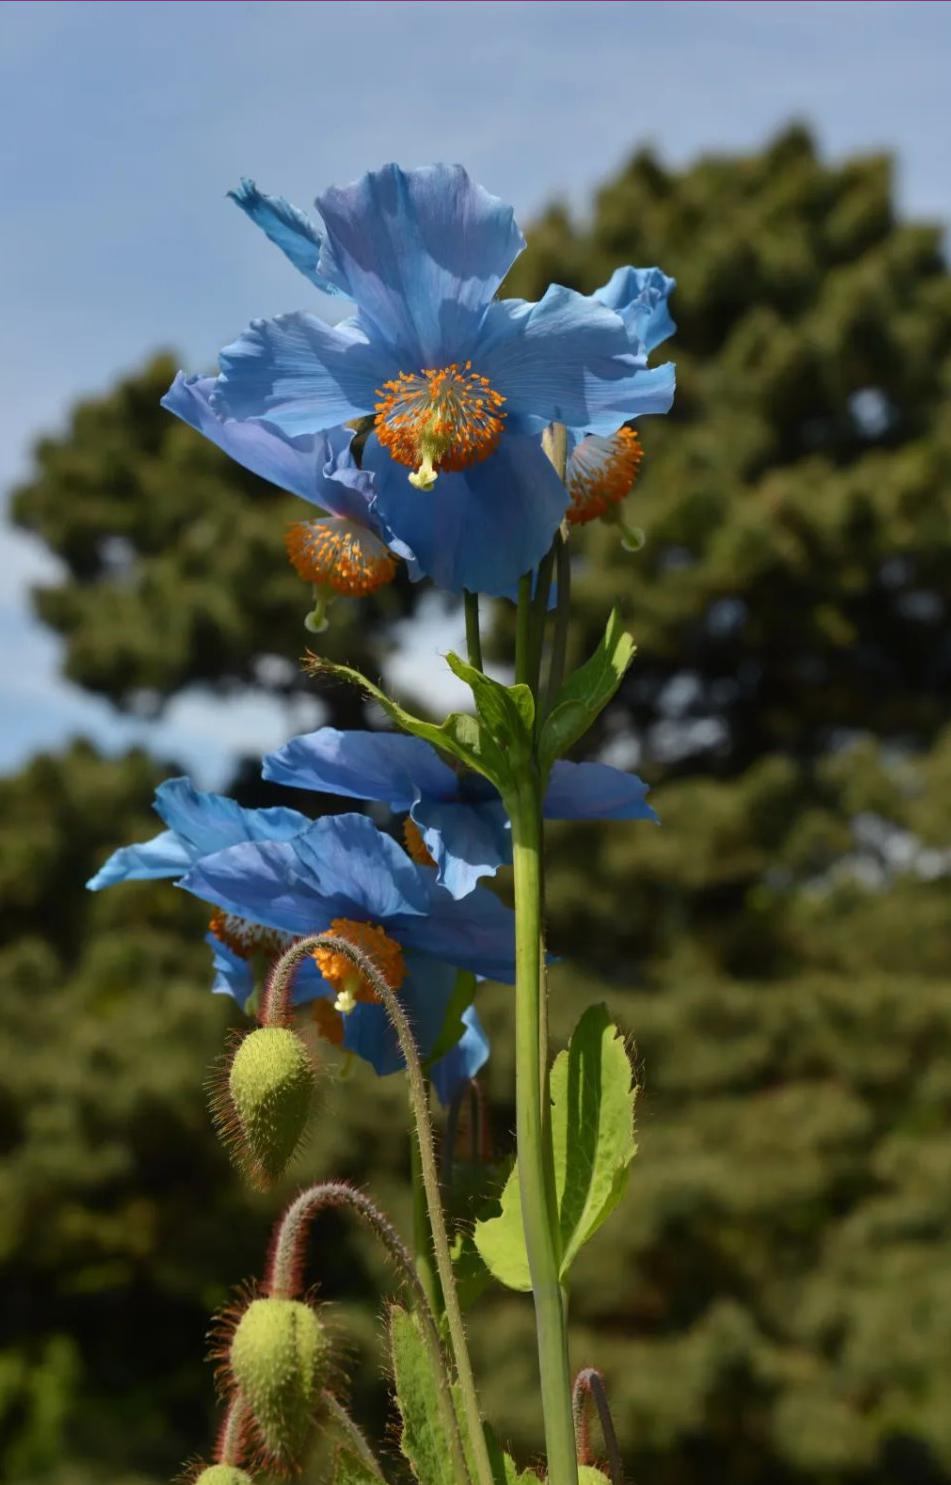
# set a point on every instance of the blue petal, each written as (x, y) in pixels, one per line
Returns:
(287, 227)
(595, 791)
(198, 823)
(424, 995)
(423, 252)
(452, 1072)
(232, 975)
(640, 295)
(317, 466)
(476, 932)
(235, 976)
(555, 360)
(291, 465)
(642, 391)
(386, 766)
(210, 822)
(466, 841)
(482, 527)
(165, 855)
(340, 867)
(300, 374)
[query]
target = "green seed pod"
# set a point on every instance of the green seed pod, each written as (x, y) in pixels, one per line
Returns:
(271, 1085)
(279, 1358)
(223, 1474)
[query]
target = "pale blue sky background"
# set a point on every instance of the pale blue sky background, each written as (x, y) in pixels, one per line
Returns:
(123, 124)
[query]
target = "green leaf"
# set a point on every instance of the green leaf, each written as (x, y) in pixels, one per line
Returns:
(593, 1134)
(586, 693)
(467, 738)
(350, 1469)
(504, 1469)
(471, 1274)
(588, 1475)
(507, 711)
(501, 1242)
(423, 1439)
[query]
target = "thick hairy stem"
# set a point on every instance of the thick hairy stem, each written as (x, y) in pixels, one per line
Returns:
(422, 1234)
(231, 1443)
(286, 1266)
(280, 983)
(276, 997)
(473, 634)
(335, 1410)
(535, 1158)
(589, 1388)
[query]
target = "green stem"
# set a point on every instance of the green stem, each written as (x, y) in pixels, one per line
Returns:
(422, 1235)
(524, 638)
(231, 1445)
(559, 644)
(354, 1435)
(473, 634)
(540, 613)
(535, 1161)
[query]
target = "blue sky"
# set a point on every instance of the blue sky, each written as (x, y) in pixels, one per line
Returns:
(123, 124)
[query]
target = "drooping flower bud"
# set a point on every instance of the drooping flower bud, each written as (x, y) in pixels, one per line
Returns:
(223, 1474)
(279, 1359)
(263, 1109)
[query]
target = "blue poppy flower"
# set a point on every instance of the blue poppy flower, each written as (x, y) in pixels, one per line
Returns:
(458, 384)
(201, 827)
(345, 552)
(456, 821)
(342, 875)
(602, 468)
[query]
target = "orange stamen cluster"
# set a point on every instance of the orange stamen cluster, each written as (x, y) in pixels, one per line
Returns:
(247, 939)
(450, 415)
(416, 848)
(343, 974)
(339, 554)
(601, 471)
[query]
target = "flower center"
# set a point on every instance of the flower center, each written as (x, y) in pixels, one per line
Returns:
(416, 848)
(247, 939)
(340, 555)
(443, 418)
(601, 471)
(344, 976)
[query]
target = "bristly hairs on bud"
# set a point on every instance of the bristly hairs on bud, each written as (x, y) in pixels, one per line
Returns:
(260, 1094)
(279, 1360)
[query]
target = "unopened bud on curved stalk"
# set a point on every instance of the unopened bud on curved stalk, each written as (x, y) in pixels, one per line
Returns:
(279, 1359)
(262, 1106)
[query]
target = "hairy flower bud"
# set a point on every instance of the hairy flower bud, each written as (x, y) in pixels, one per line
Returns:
(279, 1358)
(223, 1474)
(263, 1113)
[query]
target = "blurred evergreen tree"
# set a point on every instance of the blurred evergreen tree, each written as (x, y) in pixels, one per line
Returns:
(773, 1304)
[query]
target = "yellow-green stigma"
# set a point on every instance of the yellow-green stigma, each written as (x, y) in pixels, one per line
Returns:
(442, 418)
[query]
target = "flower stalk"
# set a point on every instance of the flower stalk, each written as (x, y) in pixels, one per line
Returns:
(533, 1134)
